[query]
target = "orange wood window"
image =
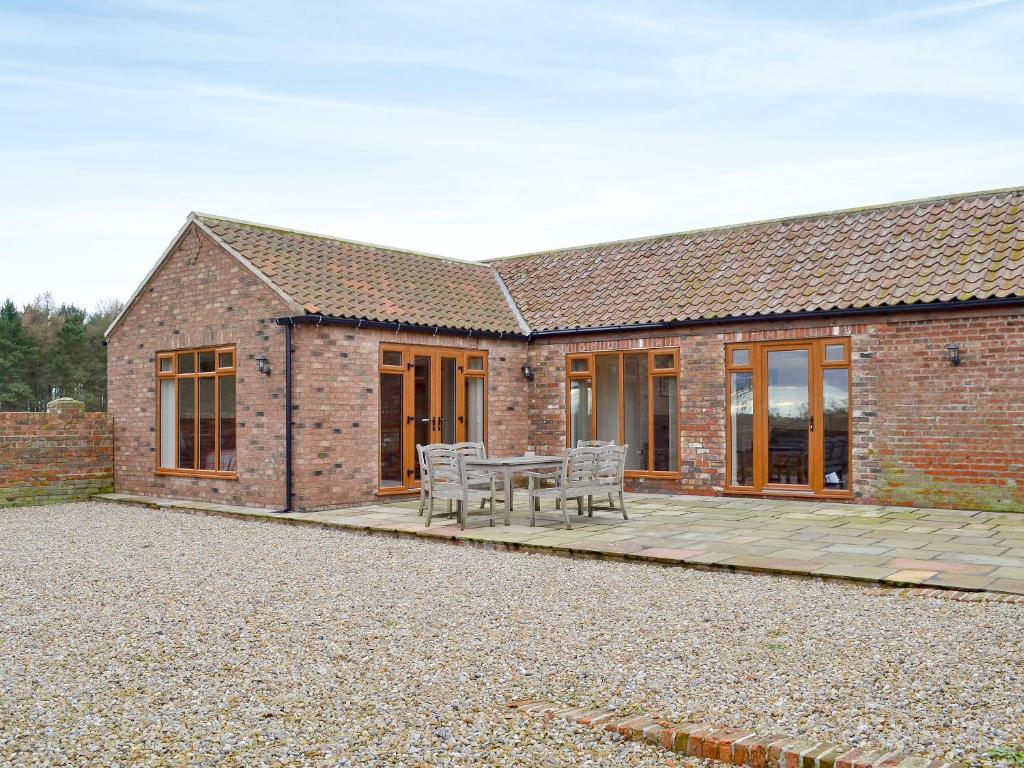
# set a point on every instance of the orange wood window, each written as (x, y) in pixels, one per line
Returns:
(788, 417)
(427, 395)
(630, 397)
(196, 406)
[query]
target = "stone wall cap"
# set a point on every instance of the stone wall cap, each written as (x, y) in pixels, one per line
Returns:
(62, 404)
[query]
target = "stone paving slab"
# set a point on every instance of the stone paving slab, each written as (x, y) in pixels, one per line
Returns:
(898, 546)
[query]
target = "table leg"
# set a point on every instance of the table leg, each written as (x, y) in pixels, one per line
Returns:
(508, 495)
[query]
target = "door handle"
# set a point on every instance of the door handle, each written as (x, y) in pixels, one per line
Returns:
(812, 423)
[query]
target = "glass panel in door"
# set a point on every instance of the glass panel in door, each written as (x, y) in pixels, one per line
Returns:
(422, 432)
(474, 409)
(788, 402)
(635, 419)
(391, 429)
(581, 407)
(835, 399)
(606, 374)
(449, 400)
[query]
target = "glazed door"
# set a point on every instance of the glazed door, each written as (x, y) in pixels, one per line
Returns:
(787, 418)
(437, 407)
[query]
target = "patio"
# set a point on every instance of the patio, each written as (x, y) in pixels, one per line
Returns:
(953, 549)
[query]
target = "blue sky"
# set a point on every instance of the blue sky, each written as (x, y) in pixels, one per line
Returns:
(478, 129)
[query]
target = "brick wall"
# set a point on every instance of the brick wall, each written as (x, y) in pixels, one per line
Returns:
(924, 432)
(201, 296)
(337, 406)
(62, 455)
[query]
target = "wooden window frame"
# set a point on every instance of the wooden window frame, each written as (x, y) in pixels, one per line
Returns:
(216, 374)
(652, 374)
(407, 370)
(756, 364)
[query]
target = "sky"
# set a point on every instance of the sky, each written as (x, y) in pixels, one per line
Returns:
(476, 129)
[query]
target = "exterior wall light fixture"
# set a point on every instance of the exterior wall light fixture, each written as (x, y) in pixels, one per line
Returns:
(262, 365)
(528, 372)
(953, 350)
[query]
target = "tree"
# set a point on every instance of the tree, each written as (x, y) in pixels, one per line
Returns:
(18, 352)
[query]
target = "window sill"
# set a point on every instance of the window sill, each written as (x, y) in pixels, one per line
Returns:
(634, 474)
(397, 491)
(198, 473)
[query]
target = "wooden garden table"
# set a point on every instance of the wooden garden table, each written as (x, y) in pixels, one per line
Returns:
(507, 465)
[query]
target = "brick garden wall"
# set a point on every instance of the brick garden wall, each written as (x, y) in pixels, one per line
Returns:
(63, 455)
(201, 296)
(925, 433)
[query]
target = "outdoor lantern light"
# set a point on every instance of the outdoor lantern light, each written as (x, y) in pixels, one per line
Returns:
(261, 364)
(528, 372)
(953, 349)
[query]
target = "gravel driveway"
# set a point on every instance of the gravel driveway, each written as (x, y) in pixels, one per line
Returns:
(136, 637)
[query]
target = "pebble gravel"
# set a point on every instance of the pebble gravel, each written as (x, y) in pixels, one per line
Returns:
(131, 636)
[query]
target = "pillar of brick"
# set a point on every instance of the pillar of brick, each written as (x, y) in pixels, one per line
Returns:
(65, 405)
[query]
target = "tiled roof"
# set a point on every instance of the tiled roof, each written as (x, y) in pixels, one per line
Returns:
(342, 278)
(954, 248)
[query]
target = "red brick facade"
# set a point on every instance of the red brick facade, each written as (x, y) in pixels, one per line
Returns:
(201, 296)
(63, 455)
(925, 432)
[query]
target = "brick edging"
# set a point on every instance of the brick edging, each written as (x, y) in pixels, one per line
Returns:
(736, 746)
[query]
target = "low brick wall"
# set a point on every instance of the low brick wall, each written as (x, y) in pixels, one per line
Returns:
(64, 454)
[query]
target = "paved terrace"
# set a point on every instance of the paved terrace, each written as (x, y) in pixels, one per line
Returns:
(905, 546)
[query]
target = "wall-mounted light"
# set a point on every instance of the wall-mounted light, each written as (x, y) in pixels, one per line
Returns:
(953, 350)
(262, 365)
(528, 372)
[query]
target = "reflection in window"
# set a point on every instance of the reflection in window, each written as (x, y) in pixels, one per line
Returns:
(607, 395)
(741, 423)
(665, 425)
(634, 410)
(836, 410)
(788, 417)
(580, 409)
(391, 421)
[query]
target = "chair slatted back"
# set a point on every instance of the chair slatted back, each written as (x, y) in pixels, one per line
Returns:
(610, 463)
(471, 450)
(578, 465)
(594, 443)
(444, 465)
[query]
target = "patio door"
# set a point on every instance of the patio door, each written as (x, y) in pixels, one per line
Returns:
(788, 427)
(428, 395)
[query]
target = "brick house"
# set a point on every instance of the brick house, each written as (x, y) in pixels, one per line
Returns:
(874, 354)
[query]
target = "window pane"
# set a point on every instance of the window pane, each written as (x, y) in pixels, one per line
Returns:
(606, 374)
(835, 353)
(580, 408)
(225, 360)
(788, 417)
(666, 428)
(205, 362)
(166, 364)
(207, 421)
(186, 423)
(391, 418)
(391, 357)
(664, 361)
(228, 439)
(741, 427)
(635, 417)
(449, 399)
(836, 406)
(167, 420)
(579, 366)
(474, 409)
(187, 362)
(741, 357)
(475, 363)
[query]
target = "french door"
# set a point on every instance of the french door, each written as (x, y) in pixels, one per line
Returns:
(789, 417)
(427, 395)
